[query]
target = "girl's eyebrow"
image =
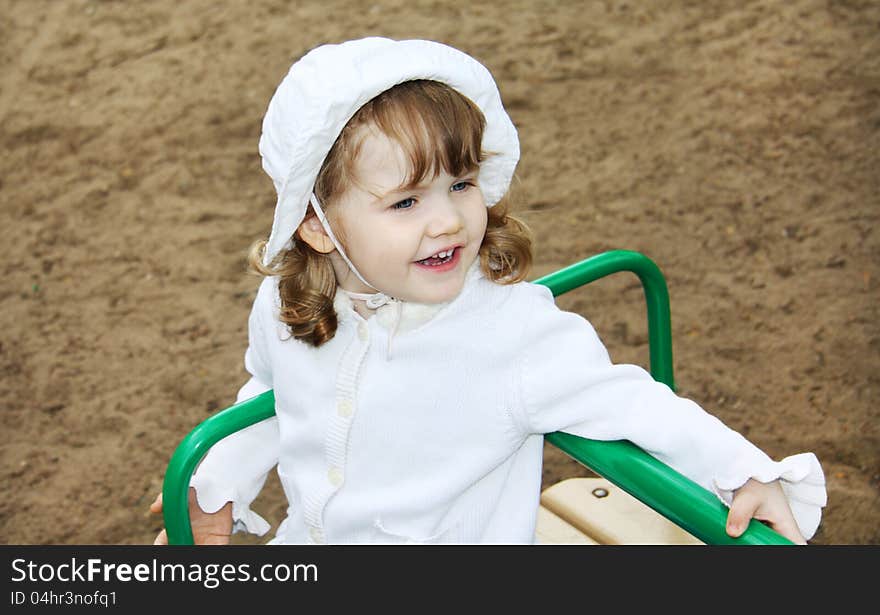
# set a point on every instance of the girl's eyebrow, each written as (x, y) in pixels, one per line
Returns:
(402, 188)
(380, 197)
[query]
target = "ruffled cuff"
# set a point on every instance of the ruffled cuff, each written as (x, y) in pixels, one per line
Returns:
(212, 496)
(802, 481)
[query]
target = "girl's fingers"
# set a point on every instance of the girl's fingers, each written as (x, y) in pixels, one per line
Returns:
(790, 530)
(764, 502)
(742, 509)
(156, 506)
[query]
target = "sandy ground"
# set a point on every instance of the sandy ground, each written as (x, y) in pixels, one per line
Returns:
(735, 143)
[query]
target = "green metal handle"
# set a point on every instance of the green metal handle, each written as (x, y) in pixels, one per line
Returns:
(175, 487)
(657, 485)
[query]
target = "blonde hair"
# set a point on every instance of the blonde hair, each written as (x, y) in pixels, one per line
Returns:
(438, 129)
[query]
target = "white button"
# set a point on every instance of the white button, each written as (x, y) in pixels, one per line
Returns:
(344, 408)
(316, 535)
(335, 476)
(363, 333)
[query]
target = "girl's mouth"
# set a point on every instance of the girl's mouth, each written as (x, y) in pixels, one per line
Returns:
(442, 261)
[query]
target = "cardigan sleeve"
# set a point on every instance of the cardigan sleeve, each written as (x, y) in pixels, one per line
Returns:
(235, 469)
(570, 384)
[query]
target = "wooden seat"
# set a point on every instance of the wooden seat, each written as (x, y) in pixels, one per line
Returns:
(593, 511)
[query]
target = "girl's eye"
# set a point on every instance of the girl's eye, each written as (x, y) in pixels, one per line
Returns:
(461, 186)
(404, 204)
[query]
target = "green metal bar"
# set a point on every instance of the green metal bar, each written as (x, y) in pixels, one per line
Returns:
(671, 494)
(175, 488)
(676, 497)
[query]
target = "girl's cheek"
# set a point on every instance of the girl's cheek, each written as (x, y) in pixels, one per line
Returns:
(482, 220)
(400, 232)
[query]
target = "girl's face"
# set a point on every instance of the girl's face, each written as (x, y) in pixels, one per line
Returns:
(414, 243)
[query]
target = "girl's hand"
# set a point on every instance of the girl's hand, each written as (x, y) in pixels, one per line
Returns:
(764, 502)
(207, 528)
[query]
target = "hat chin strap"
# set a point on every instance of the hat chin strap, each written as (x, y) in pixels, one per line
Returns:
(373, 300)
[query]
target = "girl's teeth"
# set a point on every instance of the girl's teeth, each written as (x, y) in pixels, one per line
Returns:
(443, 256)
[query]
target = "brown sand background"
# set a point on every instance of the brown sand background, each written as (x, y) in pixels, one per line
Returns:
(735, 143)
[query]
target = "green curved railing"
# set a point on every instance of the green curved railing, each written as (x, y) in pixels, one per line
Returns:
(674, 496)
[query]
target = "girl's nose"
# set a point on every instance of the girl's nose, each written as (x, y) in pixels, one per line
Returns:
(446, 218)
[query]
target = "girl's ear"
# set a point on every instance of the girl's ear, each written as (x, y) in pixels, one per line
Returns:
(314, 234)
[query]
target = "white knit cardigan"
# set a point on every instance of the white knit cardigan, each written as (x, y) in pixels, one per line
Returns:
(436, 437)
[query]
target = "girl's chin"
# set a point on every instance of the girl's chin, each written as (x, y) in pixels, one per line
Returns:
(437, 296)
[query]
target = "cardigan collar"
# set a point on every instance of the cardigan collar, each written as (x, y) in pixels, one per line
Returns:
(402, 316)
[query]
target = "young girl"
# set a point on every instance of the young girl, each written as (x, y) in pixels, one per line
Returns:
(414, 370)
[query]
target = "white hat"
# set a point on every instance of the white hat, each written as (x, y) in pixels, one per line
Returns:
(326, 87)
